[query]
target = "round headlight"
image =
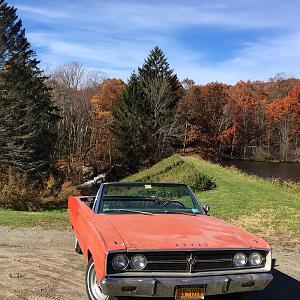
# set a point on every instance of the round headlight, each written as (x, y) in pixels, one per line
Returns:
(138, 262)
(239, 260)
(120, 262)
(255, 259)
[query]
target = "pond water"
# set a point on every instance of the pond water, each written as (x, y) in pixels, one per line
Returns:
(282, 171)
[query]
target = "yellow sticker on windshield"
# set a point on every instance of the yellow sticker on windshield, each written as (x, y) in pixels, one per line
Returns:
(148, 186)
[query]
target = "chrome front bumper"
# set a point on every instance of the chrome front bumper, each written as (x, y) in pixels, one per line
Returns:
(165, 287)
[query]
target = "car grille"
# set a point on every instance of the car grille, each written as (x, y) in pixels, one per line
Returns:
(186, 261)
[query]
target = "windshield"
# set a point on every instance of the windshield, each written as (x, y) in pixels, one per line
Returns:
(149, 199)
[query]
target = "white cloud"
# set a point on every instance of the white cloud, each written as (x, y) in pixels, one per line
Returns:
(40, 13)
(122, 55)
(116, 35)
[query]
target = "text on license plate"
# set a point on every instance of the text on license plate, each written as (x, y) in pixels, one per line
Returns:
(190, 293)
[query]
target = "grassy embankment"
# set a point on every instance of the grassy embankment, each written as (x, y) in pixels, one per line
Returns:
(267, 208)
(264, 207)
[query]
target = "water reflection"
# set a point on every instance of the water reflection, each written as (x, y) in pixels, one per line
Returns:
(282, 171)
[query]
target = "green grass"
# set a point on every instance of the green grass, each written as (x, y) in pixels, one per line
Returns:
(262, 206)
(259, 205)
(55, 219)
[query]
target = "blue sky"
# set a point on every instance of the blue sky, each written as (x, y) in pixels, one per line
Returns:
(206, 41)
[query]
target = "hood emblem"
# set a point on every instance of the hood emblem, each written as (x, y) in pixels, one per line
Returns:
(191, 262)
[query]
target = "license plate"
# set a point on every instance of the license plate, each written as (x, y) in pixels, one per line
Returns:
(190, 293)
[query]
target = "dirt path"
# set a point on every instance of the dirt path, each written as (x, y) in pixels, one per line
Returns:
(37, 264)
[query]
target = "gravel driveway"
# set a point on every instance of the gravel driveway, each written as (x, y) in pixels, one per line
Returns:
(40, 264)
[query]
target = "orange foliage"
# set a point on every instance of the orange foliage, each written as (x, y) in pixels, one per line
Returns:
(277, 108)
(109, 92)
(201, 107)
(294, 101)
(228, 133)
(289, 105)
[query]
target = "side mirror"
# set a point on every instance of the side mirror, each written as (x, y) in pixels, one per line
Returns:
(206, 208)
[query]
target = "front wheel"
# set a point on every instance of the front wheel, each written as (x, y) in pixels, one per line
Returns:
(93, 290)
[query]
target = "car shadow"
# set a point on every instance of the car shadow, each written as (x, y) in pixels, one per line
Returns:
(282, 287)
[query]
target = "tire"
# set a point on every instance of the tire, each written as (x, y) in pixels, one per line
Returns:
(91, 283)
(77, 246)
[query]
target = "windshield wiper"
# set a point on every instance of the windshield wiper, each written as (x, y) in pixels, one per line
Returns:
(179, 212)
(129, 210)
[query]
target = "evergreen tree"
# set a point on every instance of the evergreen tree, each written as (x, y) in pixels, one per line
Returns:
(144, 120)
(26, 111)
(162, 90)
(156, 66)
(130, 125)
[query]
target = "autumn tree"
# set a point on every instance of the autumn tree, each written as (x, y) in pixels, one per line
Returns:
(109, 92)
(72, 87)
(284, 117)
(293, 100)
(201, 109)
(248, 105)
(26, 111)
(278, 87)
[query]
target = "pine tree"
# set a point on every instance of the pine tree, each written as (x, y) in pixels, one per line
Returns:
(144, 120)
(162, 90)
(130, 125)
(26, 112)
(156, 66)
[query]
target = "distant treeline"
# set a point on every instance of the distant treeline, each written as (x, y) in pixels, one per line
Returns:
(135, 124)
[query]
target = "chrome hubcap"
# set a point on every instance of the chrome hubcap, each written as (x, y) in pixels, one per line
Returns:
(94, 289)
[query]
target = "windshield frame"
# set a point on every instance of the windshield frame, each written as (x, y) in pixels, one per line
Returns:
(99, 207)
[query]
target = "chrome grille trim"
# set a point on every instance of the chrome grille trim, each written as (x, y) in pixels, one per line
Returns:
(213, 260)
(188, 262)
(167, 261)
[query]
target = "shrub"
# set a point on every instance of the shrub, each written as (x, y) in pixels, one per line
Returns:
(200, 182)
(260, 154)
(17, 194)
(175, 169)
(66, 190)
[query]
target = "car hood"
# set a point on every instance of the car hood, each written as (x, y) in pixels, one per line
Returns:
(174, 231)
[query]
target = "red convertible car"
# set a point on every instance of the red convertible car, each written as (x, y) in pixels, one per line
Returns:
(155, 240)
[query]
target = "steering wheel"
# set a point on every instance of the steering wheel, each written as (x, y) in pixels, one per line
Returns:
(166, 203)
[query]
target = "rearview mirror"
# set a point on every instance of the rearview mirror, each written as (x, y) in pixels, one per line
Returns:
(206, 208)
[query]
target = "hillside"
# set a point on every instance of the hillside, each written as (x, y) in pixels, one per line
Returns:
(265, 207)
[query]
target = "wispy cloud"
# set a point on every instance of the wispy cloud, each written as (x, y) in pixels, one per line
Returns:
(36, 12)
(258, 60)
(251, 39)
